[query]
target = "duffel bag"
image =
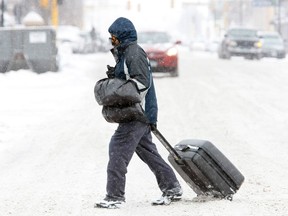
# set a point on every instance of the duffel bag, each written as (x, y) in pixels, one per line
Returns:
(116, 92)
(114, 114)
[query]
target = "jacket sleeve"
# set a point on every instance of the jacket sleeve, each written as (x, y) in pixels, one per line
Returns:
(139, 70)
(151, 107)
(137, 66)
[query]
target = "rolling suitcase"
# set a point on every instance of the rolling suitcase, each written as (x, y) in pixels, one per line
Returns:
(203, 167)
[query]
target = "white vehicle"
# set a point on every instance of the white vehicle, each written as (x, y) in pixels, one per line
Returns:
(272, 44)
(68, 37)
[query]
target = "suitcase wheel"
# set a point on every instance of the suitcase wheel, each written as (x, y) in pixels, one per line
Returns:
(229, 197)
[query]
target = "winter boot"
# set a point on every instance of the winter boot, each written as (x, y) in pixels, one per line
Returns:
(169, 196)
(109, 204)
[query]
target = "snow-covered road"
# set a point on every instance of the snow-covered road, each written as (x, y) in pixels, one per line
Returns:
(53, 139)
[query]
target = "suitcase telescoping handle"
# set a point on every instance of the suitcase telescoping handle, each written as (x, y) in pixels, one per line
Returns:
(167, 145)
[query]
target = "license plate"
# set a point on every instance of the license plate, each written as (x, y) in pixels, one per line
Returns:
(153, 63)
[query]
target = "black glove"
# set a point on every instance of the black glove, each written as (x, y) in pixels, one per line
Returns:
(153, 127)
(110, 73)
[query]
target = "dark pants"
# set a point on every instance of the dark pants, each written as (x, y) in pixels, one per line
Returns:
(129, 138)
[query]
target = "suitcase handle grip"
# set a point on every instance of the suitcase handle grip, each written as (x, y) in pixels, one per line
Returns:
(167, 145)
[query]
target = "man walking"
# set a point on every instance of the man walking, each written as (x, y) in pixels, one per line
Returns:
(135, 136)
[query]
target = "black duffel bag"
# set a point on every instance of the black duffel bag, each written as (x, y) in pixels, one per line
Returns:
(116, 92)
(115, 114)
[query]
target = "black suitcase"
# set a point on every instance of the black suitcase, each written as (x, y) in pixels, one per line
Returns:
(203, 167)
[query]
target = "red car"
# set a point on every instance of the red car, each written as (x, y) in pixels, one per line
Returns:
(162, 53)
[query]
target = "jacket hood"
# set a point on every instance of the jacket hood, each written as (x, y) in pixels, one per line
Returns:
(123, 29)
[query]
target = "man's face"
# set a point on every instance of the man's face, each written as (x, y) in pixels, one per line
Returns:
(114, 40)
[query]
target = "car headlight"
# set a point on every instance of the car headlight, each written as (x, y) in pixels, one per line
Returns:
(258, 44)
(232, 43)
(172, 51)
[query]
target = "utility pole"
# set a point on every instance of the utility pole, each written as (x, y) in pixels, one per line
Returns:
(241, 13)
(129, 5)
(2, 14)
(279, 16)
(172, 4)
(54, 12)
(51, 6)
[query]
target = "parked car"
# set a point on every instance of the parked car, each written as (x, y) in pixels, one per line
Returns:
(89, 45)
(85, 44)
(68, 37)
(240, 42)
(273, 45)
(212, 46)
(161, 50)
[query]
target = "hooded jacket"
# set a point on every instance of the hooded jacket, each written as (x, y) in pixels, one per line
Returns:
(132, 63)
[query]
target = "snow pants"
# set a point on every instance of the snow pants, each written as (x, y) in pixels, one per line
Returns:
(129, 138)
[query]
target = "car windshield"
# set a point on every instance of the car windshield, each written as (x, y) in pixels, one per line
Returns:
(153, 37)
(242, 33)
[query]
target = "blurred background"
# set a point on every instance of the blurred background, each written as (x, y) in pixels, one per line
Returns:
(197, 20)
(197, 24)
(53, 139)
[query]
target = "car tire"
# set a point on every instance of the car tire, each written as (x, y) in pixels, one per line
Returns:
(258, 56)
(220, 56)
(3, 66)
(174, 73)
(227, 56)
(281, 56)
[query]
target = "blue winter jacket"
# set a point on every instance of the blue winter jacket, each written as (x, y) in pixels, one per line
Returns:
(132, 63)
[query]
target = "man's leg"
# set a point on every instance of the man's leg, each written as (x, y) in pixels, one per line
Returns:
(165, 176)
(121, 148)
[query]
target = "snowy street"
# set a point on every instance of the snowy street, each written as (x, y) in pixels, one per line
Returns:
(54, 140)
